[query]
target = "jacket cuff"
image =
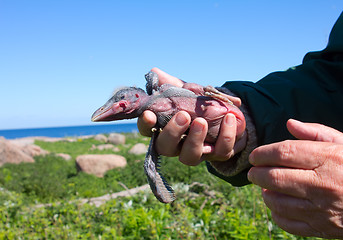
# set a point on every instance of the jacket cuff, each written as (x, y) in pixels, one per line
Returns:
(240, 162)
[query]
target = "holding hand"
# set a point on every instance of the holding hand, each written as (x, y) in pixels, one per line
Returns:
(302, 180)
(193, 150)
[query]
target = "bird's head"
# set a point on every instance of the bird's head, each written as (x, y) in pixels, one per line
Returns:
(125, 103)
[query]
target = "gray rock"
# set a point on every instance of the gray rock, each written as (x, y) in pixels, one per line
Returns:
(65, 156)
(12, 153)
(138, 149)
(116, 138)
(105, 147)
(34, 150)
(31, 140)
(100, 137)
(99, 164)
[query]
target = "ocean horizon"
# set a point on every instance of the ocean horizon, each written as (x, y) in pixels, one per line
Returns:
(69, 131)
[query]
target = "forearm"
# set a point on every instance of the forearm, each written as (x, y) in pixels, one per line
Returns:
(308, 93)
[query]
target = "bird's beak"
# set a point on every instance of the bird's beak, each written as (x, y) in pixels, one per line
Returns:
(108, 112)
(102, 114)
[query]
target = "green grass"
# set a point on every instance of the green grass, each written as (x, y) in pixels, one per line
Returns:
(214, 210)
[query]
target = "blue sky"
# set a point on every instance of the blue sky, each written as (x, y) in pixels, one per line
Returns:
(61, 60)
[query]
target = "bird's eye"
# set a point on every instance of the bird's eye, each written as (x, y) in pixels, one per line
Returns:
(122, 97)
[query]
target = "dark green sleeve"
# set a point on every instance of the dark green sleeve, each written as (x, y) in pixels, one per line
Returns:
(310, 92)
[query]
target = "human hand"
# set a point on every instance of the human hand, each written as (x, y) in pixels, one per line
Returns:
(193, 149)
(302, 180)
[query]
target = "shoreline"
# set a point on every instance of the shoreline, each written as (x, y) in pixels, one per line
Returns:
(23, 141)
(69, 132)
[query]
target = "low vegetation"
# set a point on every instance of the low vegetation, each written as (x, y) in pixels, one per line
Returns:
(209, 209)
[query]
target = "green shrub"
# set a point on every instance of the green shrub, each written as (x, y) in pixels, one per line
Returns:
(141, 217)
(214, 210)
(46, 179)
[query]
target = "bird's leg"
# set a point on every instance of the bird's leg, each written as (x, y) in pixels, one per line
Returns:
(151, 83)
(159, 186)
(214, 93)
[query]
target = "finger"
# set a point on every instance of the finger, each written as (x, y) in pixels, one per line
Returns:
(145, 122)
(223, 149)
(314, 132)
(235, 100)
(192, 148)
(288, 206)
(164, 78)
(293, 182)
(168, 141)
(299, 210)
(295, 227)
(240, 143)
(208, 149)
(291, 153)
(226, 138)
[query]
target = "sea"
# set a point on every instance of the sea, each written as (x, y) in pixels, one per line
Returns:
(70, 131)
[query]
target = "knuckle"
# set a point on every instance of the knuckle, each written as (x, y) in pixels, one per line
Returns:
(168, 152)
(276, 178)
(228, 139)
(286, 150)
(189, 161)
(166, 149)
(222, 156)
(145, 132)
(334, 153)
(190, 156)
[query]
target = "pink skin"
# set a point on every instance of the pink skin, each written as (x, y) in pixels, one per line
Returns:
(194, 149)
(123, 109)
(111, 113)
(302, 180)
(212, 111)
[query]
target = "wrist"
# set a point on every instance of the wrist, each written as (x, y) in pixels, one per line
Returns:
(244, 146)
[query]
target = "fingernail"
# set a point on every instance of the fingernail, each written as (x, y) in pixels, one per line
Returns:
(180, 119)
(197, 127)
(230, 119)
(207, 149)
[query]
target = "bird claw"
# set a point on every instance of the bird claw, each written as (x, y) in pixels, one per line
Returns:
(183, 136)
(153, 130)
(214, 93)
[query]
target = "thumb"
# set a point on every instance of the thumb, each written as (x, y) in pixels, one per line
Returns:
(314, 132)
(165, 78)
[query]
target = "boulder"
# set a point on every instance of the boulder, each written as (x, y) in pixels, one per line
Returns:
(100, 138)
(34, 150)
(65, 156)
(27, 145)
(138, 149)
(99, 164)
(12, 153)
(104, 147)
(116, 138)
(31, 140)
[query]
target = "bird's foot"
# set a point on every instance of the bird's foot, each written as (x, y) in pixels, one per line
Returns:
(153, 130)
(151, 83)
(214, 93)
